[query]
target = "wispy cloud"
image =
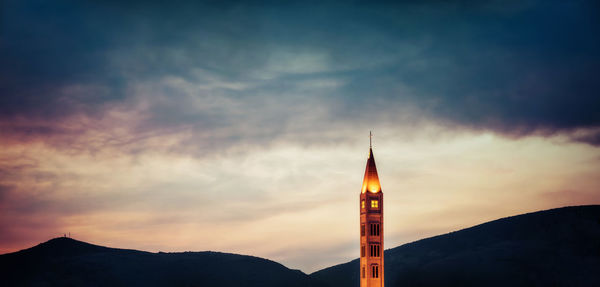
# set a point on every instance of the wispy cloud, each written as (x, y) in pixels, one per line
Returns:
(249, 120)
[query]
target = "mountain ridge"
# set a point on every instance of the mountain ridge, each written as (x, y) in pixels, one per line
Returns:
(65, 261)
(487, 254)
(556, 247)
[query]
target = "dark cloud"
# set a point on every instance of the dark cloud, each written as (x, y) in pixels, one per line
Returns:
(592, 138)
(251, 72)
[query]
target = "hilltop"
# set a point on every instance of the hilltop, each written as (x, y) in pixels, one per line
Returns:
(557, 247)
(68, 262)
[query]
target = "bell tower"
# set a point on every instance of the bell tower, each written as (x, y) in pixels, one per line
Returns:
(371, 226)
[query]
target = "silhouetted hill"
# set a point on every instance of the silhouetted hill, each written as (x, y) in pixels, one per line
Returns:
(68, 262)
(558, 247)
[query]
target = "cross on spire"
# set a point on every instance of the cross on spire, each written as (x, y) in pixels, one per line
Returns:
(370, 139)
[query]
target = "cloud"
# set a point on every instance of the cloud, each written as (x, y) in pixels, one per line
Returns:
(590, 136)
(253, 72)
(225, 125)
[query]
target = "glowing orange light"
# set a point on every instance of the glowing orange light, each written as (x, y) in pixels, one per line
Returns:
(371, 179)
(373, 188)
(374, 204)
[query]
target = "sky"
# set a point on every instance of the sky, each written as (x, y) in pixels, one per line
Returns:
(243, 127)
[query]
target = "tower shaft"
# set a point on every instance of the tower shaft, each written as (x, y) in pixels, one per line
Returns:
(371, 228)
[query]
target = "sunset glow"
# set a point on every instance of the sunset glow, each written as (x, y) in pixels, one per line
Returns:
(244, 129)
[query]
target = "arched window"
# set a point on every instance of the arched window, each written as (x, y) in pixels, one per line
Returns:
(374, 250)
(374, 271)
(374, 229)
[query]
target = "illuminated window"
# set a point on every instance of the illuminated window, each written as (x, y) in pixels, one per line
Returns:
(362, 251)
(363, 271)
(374, 204)
(362, 230)
(362, 204)
(375, 271)
(374, 250)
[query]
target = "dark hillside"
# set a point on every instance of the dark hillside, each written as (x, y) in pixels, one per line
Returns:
(558, 247)
(68, 262)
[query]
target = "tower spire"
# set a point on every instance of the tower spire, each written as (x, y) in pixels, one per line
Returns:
(371, 179)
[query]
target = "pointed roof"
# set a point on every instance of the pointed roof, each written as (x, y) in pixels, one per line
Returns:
(371, 180)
